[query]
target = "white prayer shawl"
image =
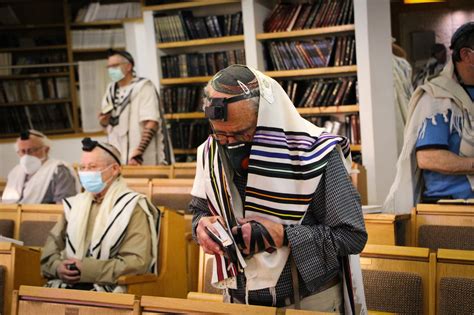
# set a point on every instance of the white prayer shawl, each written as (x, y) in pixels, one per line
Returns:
(437, 96)
(277, 115)
(35, 188)
(110, 225)
(127, 134)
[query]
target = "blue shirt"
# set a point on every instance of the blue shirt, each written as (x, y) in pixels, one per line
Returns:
(439, 137)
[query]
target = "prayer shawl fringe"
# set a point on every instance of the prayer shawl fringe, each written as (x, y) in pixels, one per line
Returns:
(287, 158)
(35, 189)
(437, 96)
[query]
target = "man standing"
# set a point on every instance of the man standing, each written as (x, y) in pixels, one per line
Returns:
(106, 232)
(38, 178)
(439, 136)
(132, 115)
(279, 187)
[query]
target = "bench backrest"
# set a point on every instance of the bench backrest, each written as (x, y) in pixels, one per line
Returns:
(172, 193)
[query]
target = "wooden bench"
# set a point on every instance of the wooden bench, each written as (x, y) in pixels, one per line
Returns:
(416, 264)
(184, 170)
(140, 185)
(387, 229)
(154, 305)
(172, 193)
(147, 171)
(22, 267)
(455, 281)
(37, 300)
(11, 212)
(440, 215)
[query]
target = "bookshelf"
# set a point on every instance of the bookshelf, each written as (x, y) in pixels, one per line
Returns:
(209, 31)
(35, 75)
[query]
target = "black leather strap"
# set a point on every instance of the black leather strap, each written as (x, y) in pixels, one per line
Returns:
(258, 235)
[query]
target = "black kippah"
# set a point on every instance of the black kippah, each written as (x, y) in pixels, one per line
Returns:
(88, 145)
(25, 135)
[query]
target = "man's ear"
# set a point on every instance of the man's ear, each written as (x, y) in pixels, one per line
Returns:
(464, 53)
(46, 150)
(117, 169)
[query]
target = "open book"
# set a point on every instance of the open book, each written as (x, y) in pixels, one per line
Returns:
(10, 240)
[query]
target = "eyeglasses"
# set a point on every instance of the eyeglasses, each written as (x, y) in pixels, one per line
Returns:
(245, 135)
(28, 151)
(92, 167)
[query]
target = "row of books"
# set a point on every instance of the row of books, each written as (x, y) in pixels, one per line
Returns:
(40, 58)
(98, 38)
(182, 99)
(104, 12)
(291, 55)
(290, 16)
(185, 26)
(44, 117)
(349, 127)
(10, 39)
(196, 64)
(189, 134)
(34, 90)
(321, 92)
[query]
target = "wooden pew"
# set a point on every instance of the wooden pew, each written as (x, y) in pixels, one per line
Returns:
(411, 260)
(37, 300)
(154, 305)
(454, 269)
(437, 214)
(36, 221)
(3, 183)
(22, 266)
(184, 170)
(140, 185)
(192, 255)
(171, 280)
(147, 171)
(387, 229)
(172, 193)
(11, 212)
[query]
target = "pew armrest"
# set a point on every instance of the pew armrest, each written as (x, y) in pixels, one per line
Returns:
(134, 279)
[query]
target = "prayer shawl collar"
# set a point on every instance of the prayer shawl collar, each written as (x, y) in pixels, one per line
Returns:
(437, 96)
(110, 225)
(288, 157)
(164, 148)
(35, 188)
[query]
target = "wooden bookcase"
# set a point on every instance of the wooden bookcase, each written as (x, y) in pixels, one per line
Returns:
(254, 13)
(41, 44)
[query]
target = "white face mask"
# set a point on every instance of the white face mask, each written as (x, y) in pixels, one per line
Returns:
(30, 164)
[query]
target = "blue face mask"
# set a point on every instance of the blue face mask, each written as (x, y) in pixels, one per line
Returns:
(116, 74)
(92, 181)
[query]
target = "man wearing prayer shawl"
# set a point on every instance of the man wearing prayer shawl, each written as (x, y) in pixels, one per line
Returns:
(38, 178)
(132, 115)
(106, 232)
(280, 188)
(437, 159)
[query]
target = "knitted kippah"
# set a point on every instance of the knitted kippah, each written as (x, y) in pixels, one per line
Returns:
(227, 80)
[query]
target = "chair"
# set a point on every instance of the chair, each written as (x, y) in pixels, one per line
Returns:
(390, 291)
(172, 193)
(184, 170)
(449, 237)
(440, 215)
(35, 233)
(140, 185)
(146, 171)
(455, 281)
(38, 300)
(393, 270)
(7, 228)
(171, 280)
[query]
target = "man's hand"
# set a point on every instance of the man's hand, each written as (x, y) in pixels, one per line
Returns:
(207, 244)
(104, 119)
(276, 230)
(133, 161)
(69, 276)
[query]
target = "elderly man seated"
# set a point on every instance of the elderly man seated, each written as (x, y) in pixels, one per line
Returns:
(106, 232)
(38, 178)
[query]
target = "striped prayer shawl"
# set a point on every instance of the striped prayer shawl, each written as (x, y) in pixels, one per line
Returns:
(287, 159)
